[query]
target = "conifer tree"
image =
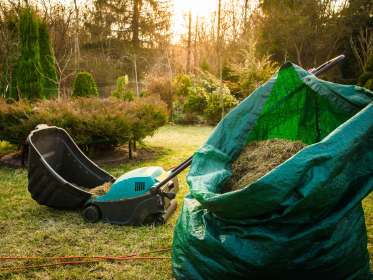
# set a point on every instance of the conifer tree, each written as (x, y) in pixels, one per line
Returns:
(47, 60)
(28, 78)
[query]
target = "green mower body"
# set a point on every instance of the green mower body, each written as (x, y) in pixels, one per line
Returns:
(131, 201)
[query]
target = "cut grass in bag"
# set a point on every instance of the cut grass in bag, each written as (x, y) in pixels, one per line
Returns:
(258, 158)
(100, 190)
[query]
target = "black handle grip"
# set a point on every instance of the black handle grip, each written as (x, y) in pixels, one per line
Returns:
(327, 65)
(169, 195)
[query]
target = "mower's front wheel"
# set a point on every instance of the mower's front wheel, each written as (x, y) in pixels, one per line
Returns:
(91, 214)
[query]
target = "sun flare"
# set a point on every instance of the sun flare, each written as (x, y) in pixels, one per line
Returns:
(200, 8)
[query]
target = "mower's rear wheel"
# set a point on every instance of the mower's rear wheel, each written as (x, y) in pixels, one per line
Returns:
(91, 214)
(153, 219)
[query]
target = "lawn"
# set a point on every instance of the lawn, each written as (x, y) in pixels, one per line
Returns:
(27, 228)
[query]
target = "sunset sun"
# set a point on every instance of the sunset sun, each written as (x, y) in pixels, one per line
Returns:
(197, 7)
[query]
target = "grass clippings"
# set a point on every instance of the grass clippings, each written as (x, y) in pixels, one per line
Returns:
(101, 190)
(258, 158)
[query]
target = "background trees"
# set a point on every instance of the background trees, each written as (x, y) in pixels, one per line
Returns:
(241, 46)
(126, 36)
(309, 32)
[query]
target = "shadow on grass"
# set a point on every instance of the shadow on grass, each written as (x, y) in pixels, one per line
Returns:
(49, 217)
(120, 155)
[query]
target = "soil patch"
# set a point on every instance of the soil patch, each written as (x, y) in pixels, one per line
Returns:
(103, 157)
(119, 155)
(12, 159)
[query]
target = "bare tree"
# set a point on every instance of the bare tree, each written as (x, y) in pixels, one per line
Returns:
(135, 23)
(245, 13)
(63, 31)
(195, 54)
(76, 38)
(362, 47)
(189, 41)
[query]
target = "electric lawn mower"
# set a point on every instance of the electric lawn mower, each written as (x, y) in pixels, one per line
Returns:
(60, 176)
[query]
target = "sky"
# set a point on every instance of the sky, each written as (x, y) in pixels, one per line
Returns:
(201, 8)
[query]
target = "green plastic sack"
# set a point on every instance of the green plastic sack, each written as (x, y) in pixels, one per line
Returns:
(303, 219)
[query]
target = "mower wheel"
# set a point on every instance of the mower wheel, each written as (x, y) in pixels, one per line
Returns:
(91, 214)
(153, 219)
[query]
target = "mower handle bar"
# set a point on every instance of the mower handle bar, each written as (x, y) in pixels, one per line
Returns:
(327, 65)
(186, 163)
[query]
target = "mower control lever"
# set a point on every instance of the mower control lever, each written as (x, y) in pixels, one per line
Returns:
(174, 172)
(169, 195)
(156, 190)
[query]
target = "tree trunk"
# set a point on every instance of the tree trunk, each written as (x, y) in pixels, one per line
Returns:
(219, 20)
(135, 24)
(170, 85)
(76, 39)
(189, 42)
(220, 70)
(136, 75)
(245, 12)
(298, 50)
(129, 149)
(195, 58)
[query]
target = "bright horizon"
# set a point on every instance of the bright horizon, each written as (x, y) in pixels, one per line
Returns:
(200, 8)
(180, 9)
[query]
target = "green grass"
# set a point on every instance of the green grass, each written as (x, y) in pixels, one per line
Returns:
(368, 209)
(27, 228)
(6, 147)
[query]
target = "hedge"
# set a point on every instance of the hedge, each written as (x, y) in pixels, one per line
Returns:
(92, 122)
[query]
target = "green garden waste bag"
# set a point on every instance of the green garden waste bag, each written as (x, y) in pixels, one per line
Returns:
(302, 220)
